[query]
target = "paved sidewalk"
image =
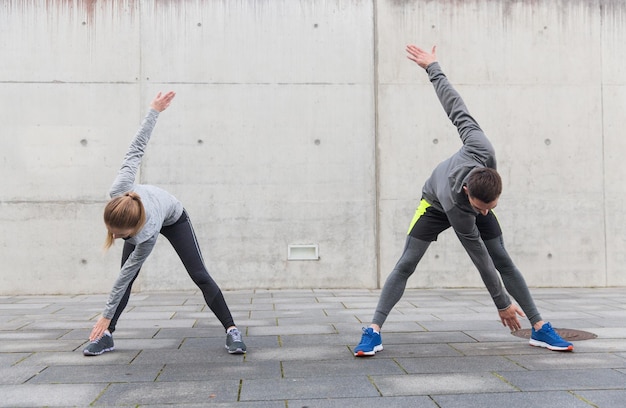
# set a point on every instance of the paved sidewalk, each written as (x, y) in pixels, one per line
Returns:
(443, 348)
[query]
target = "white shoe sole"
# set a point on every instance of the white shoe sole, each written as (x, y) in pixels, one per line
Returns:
(537, 343)
(89, 353)
(369, 353)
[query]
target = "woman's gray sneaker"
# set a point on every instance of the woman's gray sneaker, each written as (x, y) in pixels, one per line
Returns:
(97, 347)
(234, 343)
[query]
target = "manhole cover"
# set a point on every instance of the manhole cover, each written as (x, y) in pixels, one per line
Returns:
(567, 334)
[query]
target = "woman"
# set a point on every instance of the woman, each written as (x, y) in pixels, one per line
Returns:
(138, 214)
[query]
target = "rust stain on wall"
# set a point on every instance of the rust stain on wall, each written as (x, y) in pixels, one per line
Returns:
(87, 10)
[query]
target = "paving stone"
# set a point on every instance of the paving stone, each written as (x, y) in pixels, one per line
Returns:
(77, 358)
(608, 328)
(203, 343)
(485, 336)
(32, 335)
(386, 402)
(120, 333)
(390, 338)
(102, 374)
(449, 325)
(49, 395)
(167, 308)
(512, 400)
(335, 368)
(329, 340)
(273, 314)
(22, 346)
(343, 300)
(296, 300)
(254, 306)
(153, 316)
(252, 404)
(22, 308)
(14, 324)
(47, 324)
(18, 375)
(8, 359)
(208, 343)
(223, 370)
(343, 323)
(301, 329)
(520, 346)
(214, 354)
(305, 321)
(170, 392)
(319, 353)
(550, 361)
(417, 350)
(432, 365)
(554, 380)
(209, 322)
(183, 332)
(122, 344)
(432, 384)
(600, 345)
(244, 323)
(400, 327)
(160, 299)
(299, 306)
(349, 326)
(367, 312)
(411, 317)
(604, 398)
(307, 388)
(591, 324)
(332, 307)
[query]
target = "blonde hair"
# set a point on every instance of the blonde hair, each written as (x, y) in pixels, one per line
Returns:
(124, 212)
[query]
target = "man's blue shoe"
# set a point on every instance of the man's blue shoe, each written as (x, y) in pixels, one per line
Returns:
(371, 342)
(547, 337)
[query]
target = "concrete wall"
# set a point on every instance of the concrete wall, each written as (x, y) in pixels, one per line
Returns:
(302, 122)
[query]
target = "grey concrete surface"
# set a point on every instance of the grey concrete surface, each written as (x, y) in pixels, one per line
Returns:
(443, 348)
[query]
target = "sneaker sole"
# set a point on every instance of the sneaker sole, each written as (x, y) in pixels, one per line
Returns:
(238, 351)
(537, 343)
(89, 353)
(362, 353)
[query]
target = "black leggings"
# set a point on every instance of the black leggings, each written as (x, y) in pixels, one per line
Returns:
(183, 239)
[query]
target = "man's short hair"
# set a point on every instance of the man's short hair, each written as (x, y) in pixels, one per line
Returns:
(484, 184)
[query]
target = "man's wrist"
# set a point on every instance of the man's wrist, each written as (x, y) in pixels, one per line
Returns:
(506, 308)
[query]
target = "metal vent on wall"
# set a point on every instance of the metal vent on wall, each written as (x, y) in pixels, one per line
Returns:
(299, 252)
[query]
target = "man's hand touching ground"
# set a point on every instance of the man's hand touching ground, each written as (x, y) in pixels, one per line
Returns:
(509, 318)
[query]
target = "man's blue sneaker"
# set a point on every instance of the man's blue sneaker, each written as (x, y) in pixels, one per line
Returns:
(371, 342)
(547, 337)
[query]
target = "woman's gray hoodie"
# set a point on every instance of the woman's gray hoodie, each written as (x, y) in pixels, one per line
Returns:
(161, 208)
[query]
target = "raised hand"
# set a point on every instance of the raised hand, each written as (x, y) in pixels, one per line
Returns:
(421, 57)
(161, 102)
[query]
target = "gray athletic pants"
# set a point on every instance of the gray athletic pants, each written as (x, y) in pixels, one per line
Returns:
(429, 225)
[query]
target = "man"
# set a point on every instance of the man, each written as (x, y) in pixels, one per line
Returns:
(461, 192)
